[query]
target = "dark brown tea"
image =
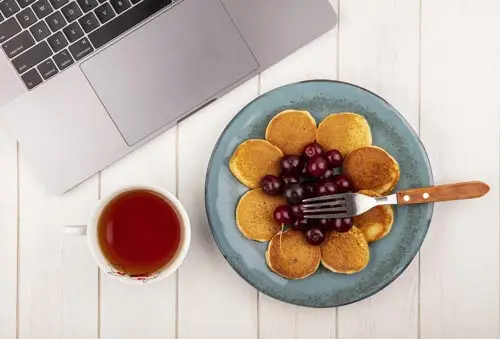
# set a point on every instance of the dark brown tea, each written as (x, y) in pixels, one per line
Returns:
(139, 232)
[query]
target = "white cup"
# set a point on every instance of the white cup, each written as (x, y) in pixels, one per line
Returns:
(90, 230)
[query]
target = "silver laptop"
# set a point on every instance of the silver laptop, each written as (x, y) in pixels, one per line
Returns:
(84, 82)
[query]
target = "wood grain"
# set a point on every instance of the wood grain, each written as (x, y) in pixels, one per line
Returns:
(129, 311)
(8, 235)
(214, 302)
(460, 117)
(457, 191)
(58, 295)
(300, 322)
(379, 50)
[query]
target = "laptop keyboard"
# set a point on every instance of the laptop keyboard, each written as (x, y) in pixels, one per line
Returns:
(44, 37)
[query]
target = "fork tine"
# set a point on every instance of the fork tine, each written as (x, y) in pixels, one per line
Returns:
(325, 197)
(327, 204)
(327, 216)
(321, 210)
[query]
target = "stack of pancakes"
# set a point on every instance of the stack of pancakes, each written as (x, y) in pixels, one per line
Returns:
(371, 170)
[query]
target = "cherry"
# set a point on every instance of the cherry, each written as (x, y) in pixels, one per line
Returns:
(312, 150)
(315, 236)
(290, 163)
(271, 185)
(342, 225)
(325, 187)
(283, 214)
(335, 158)
(317, 166)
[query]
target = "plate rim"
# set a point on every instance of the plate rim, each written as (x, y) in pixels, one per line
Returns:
(419, 144)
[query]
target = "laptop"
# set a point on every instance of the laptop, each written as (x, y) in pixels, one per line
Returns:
(85, 82)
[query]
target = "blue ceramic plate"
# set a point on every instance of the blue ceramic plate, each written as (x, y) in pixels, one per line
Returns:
(388, 257)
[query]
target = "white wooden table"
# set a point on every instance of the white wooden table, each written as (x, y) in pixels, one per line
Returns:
(436, 61)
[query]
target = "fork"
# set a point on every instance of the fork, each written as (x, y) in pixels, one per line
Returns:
(351, 204)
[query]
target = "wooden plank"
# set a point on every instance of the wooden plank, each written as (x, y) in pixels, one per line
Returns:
(214, 302)
(130, 311)
(318, 60)
(460, 129)
(8, 234)
(379, 50)
(58, 296)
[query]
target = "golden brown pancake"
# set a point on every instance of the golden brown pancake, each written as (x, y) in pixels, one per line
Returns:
(344, 132)
(255, 215)
(345, 252)
(377, 222)
(291, 131)
(253, 159)
(371, 168)
(291, 256)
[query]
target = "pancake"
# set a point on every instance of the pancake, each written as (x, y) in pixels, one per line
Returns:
(371, 168)
(344, 132)
(254, 159)
(345, 252)
(291, 131)
(292, 257)
(255, 215)
(377, 222)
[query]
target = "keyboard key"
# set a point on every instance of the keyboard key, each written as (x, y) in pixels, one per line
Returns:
(87, 5)
(47, 69)
(8, 29)
(127, 20)
(9, 8)
(105, 13)
(25, 3)
(58, 3)
(120, 5)
(32, 79)
(80, 49)
(40, 31)
(56, 21)
(18, 44)
(73, 32)
(72, 12)
(102, 1)
(89, 22)
(42, 8)
(57, 42)
(26, 17)
(63, 59)
(32, 57)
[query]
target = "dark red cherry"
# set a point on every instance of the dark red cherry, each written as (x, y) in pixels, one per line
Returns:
(309, 188)
(335, 158)
(325, 224)
(342, 225)
(301, 224)
(328, 174)
(315, 236)
(312, 150)
(271, 185)
(296, 210)
(290, 178)
(317, 166)
(325, 187)
(294, 193)
(283, 214)
(343, 184)
(290, 164)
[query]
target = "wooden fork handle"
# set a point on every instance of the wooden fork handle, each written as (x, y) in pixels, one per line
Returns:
(458, 191)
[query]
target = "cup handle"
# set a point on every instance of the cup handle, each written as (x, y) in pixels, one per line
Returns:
(75, 229)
